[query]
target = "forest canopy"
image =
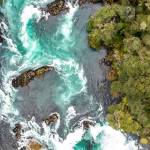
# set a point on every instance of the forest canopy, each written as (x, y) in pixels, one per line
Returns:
(123, 27)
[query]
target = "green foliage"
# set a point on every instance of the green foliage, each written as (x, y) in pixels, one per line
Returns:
(2, 1)
(94, 39)
(104, 21)
(132, 44)
(124, 28)
(119, 117)
(146, 40)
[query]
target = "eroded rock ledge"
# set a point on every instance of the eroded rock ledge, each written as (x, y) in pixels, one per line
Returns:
(26, 77)
(32, 143)
(58, 6)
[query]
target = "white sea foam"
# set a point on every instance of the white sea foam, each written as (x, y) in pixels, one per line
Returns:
(72, 139)
(28, 13)
(66, 28)
(11, 46)
(70, 114)
(115, 140)
(110, 139)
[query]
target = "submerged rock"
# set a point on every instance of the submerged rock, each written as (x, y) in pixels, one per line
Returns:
(34, 145)
(87, 124)
(1, 39)
(25, 78)
(17, 130)
(51, 119)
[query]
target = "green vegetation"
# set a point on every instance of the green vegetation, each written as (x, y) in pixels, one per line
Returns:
(2, 1)
(123, 27)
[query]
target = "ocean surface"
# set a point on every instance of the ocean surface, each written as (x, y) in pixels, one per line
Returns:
(34, 38)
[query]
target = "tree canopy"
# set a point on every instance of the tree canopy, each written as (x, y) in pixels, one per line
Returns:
(123, 27)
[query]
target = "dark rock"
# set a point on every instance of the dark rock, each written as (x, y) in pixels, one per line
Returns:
(1, 38)
(52, 119)
(18, 135)
(17, 130)
(25, 78)
(23, 148)
(87, 124)
(57, 7)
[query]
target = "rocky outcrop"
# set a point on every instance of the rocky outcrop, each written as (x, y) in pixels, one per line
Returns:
(87, 124)
(1, 38)
(25, 78)
(58, 6)
(53, 118)
(17, 130)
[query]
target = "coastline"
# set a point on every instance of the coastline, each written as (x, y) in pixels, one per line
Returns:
(31, 103)
(27, 101)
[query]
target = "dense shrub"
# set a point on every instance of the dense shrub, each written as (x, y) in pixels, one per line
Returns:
(123, 27)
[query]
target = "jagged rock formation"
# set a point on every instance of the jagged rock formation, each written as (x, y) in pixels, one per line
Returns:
(87, 124)
(17, 130)
(51, 119)
(25, 78)
(58, 6)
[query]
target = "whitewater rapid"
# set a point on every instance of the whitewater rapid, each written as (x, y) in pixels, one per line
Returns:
(26, 52)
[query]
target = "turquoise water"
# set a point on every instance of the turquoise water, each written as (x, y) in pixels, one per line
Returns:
(27, 48)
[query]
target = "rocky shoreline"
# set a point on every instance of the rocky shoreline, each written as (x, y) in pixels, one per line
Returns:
(96, 77)
(59, 6)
